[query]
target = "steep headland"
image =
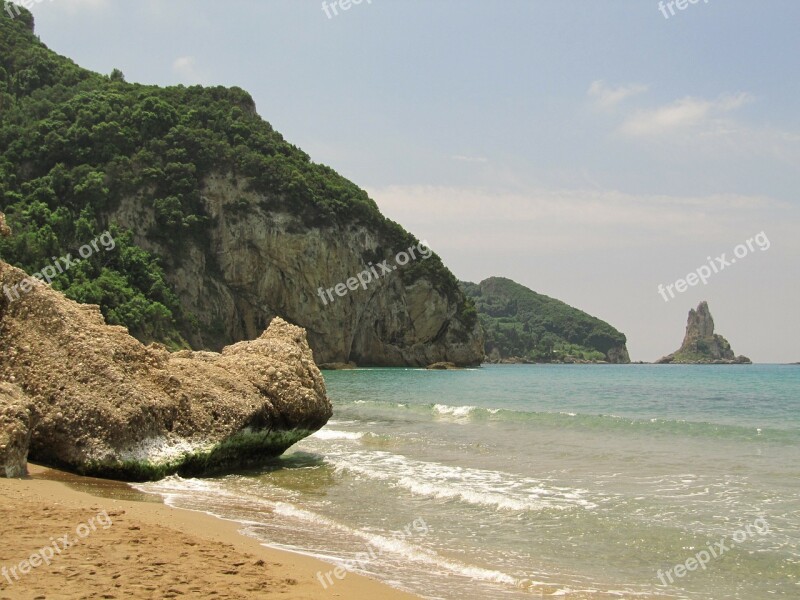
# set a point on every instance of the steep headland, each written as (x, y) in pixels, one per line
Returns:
(523, 326)
(220, 223)
(701, 345)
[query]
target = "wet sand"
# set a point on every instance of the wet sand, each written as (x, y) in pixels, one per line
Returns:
(124, 544)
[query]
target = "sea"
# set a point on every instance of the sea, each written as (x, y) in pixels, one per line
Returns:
(539, 481)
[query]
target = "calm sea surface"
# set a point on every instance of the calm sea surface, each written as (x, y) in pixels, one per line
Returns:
(527, 481)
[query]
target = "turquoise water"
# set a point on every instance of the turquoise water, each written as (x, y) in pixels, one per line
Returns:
(526, 481)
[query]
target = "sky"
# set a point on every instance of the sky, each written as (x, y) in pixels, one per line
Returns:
(590, 150)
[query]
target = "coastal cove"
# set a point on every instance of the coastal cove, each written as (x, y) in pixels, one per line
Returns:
(412, 301)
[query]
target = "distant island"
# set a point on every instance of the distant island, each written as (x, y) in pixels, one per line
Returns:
(522, 326)
(701, 345)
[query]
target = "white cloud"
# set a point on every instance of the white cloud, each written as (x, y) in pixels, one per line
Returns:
(185, 67)
(606, 97)
(707, 129)
(682, 114)
(567, 220)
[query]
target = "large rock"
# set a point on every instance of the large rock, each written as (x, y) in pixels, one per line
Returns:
(15, 417)
(701, 345)
(104, 404)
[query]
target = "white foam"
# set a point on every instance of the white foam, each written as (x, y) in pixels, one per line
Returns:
(333, 434)
(400, 545)
(448, 492)
(504, 491)
(404, 545)
(456, 411)
(461, 411)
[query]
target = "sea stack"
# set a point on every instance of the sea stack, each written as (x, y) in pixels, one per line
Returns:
(701, 345)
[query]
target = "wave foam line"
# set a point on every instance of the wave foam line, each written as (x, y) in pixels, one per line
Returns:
(473, 486)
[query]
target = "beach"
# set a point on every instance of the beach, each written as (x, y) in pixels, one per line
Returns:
(578, 482)
(123, 544)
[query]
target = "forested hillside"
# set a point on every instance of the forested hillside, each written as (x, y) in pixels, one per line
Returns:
(521, 324)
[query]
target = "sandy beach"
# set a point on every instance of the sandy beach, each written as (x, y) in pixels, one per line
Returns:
(104, 540)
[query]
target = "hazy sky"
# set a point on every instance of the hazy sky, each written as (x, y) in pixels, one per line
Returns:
(589, 150)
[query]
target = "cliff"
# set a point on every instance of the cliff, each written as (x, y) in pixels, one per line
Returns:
(86, 396)
(268, 261)
(523, 326)
(701, 345)
(220, 223)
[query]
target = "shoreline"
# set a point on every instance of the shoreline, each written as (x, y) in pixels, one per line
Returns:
(128, 544)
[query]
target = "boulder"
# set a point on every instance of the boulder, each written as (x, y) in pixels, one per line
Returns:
(106, 405)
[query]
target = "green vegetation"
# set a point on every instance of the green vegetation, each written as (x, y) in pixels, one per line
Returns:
(519, 323)
(75, 144)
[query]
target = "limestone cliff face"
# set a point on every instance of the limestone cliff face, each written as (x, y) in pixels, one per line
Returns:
(259, 262)
(701, 345)
(86, 396)
(618, 355)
